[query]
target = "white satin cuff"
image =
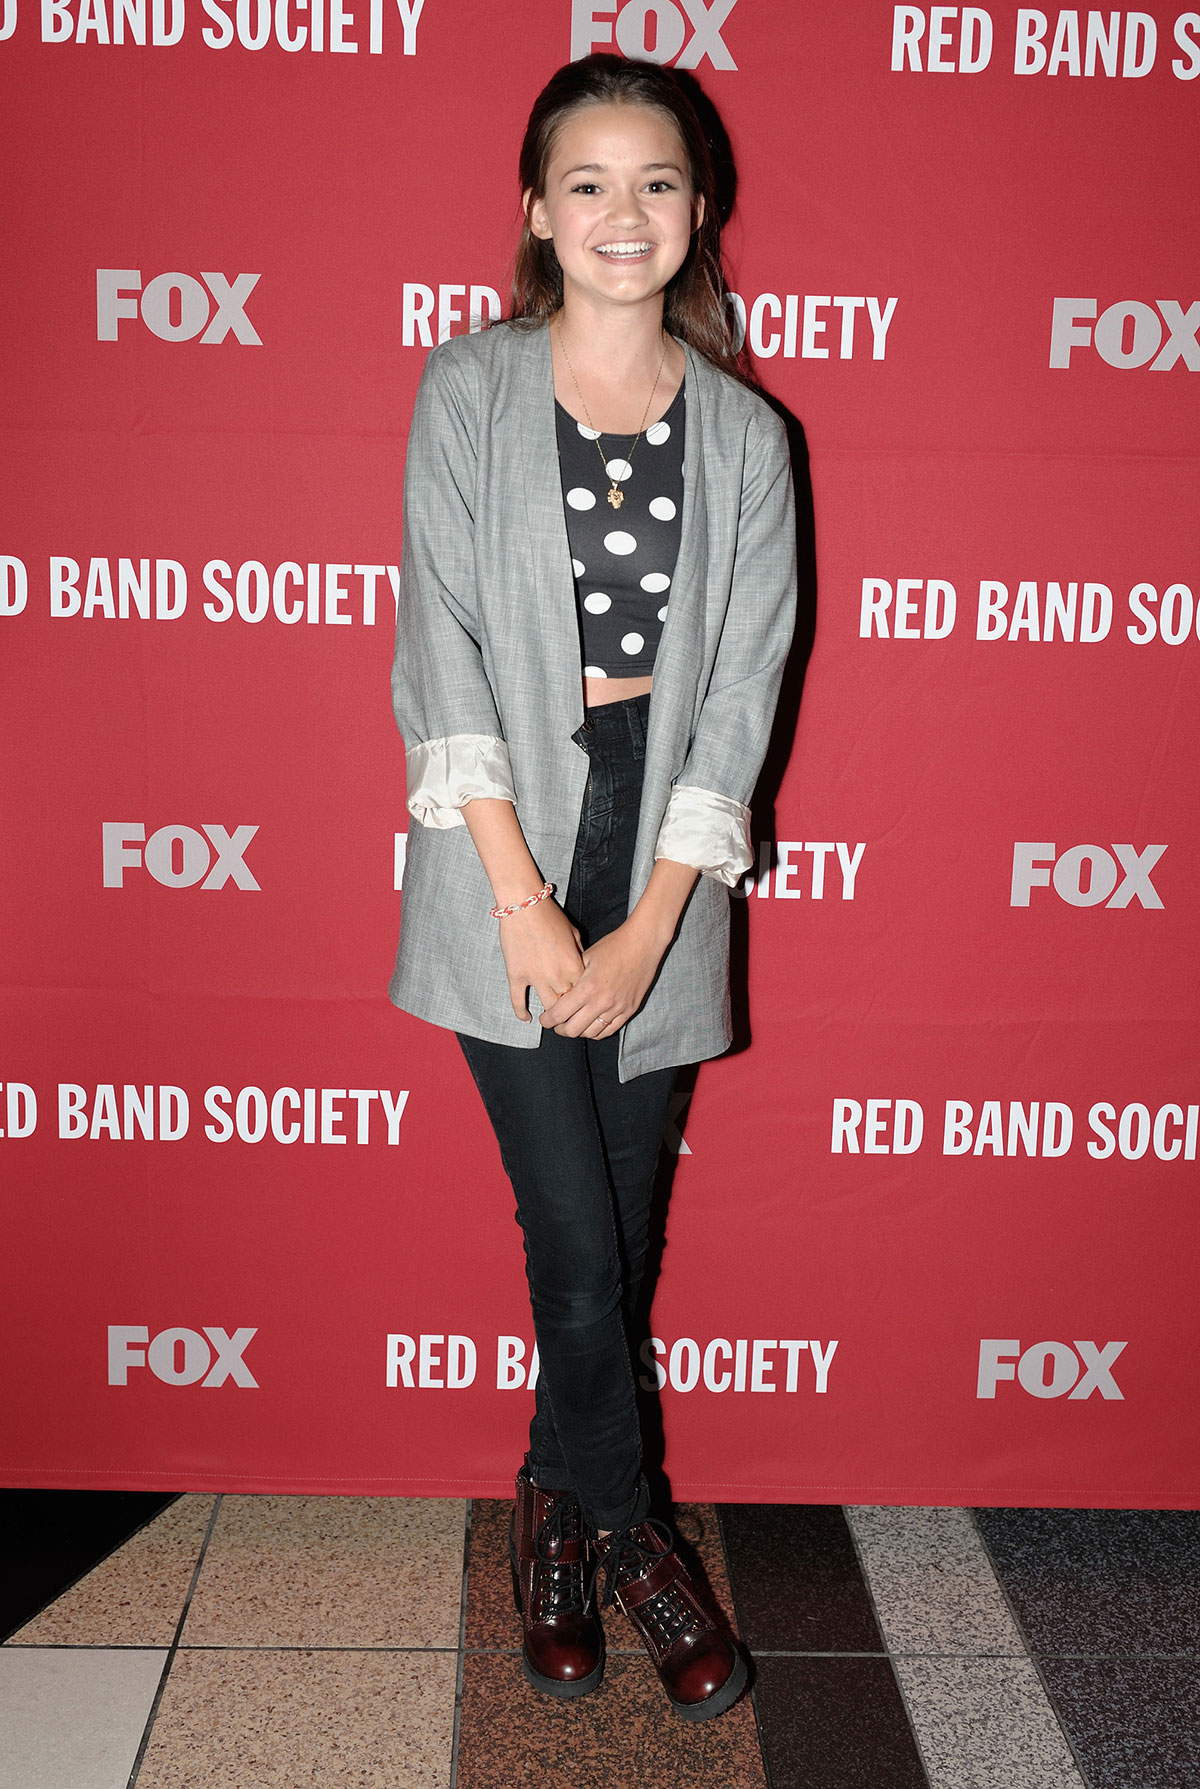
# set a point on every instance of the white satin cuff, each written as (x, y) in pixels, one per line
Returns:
(444, 774)
(708, 831)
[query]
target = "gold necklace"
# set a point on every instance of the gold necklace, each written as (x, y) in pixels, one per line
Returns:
(616, 495)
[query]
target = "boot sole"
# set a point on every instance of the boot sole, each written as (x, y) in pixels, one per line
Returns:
(720, 1699)
(553, 1686)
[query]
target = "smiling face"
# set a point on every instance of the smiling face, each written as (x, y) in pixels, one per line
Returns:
(618, 204)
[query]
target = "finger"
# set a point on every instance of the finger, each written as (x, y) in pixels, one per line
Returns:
(580, 1024)
(549, 998)
(561, 1006)
(573, 1025)
(517, 994)
(554, 1012)
(609, 1024)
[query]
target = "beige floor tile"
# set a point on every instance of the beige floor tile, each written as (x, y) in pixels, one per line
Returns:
(331, 1571)
(135, 1596)
(287, 1720)
(73, 1719)
(932, 1582)
(987, 1724)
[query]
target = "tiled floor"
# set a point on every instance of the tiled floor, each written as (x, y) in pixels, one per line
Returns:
(279, 1642)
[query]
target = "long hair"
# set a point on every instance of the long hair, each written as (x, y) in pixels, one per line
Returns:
(694, 306)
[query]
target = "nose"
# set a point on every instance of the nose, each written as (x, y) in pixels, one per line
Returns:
(625, 207)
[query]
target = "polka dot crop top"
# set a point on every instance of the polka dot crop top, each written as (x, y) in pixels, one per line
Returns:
(623, 558)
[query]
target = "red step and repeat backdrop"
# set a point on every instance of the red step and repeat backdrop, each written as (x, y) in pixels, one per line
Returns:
(932, 1236)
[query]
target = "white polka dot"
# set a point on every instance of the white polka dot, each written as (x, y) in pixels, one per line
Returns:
(577, 566)
(618, 469)
(654, 581)
(597, 603)
(632, 643)
(579, 498)
(588, 435)
(662, 613)
(594, 671)
(660, 432)
(662, 509)
(619, 542)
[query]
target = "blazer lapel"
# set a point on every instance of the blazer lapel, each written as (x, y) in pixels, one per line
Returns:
(680, 655)
(549, 548)
(680, 651)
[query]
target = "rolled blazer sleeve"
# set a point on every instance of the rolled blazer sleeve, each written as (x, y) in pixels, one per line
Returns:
(707, 821)
(441, 696)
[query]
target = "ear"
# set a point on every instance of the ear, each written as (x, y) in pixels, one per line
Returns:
(535, 215)
(697, 212)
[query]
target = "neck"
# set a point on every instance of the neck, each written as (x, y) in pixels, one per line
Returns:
(613, 344)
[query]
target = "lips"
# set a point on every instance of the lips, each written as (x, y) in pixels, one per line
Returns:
(625, 251)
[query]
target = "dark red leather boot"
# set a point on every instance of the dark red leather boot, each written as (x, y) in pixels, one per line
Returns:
(563, 1643)
(701, 1672)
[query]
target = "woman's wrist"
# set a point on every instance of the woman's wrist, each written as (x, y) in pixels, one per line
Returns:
(655, 916)
(506, 910)
(518, 889)
(653, 926)
(506, 858)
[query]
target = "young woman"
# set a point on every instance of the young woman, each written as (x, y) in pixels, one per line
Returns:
(598, 587)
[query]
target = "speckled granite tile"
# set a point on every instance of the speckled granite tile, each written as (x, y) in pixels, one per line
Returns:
(933, 1585)
(986, 1724)
(134, 1597)
(1131, 1721)
(331, 1571)
(73, 1720)
(287, 1720)
(797, 1580)
(492, 1620)
(1100, 1580)
(623, 1736)
(835, 1723)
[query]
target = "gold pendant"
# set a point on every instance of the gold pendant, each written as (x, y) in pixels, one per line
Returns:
(616, 497)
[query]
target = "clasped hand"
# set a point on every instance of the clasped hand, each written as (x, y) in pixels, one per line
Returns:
(584, 993)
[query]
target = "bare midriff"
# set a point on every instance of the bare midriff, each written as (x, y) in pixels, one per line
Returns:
(598, 690)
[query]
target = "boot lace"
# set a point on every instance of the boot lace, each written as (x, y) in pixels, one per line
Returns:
(627, 1556)
(557, 1583)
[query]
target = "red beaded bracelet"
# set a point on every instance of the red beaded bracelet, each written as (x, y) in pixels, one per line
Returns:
(546, 889)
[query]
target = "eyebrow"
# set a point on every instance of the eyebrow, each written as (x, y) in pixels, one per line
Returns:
(646, 168)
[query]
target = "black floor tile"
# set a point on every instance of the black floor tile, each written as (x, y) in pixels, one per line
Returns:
(835, 1724)
(1106, 1581)
(48, 1539)
(796, 1579)
(1134, 1723)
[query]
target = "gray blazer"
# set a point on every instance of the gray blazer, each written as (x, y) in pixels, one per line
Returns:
(487, 643)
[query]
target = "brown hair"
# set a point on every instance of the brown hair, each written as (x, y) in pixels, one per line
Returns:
(694, 307)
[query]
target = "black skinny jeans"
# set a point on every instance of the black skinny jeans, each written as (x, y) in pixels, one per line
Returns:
(580, 1150)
